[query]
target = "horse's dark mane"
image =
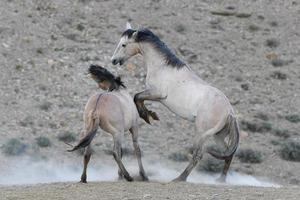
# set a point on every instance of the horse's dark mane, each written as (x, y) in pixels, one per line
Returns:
(101, 74)
(145, 35)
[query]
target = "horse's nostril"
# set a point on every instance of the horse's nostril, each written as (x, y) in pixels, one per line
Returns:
(114, 61)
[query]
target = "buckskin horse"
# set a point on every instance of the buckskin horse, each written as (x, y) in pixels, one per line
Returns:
(115, 112)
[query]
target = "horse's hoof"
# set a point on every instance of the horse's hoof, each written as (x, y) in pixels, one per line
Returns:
(129, 178)
(82, 181)
(221, 179)
(145, 178)
(144, 115)
(178, 179)
(153, 115)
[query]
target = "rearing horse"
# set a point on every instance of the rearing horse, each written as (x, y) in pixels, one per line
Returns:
(172, 82)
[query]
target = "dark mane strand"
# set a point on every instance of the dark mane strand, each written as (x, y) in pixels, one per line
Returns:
(145, 35)
(100, 74)
(128, 33)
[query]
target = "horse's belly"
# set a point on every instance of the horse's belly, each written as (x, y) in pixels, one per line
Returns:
(186, 110)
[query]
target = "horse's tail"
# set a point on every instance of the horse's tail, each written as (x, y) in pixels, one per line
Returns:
(93, 125)
(234, 138)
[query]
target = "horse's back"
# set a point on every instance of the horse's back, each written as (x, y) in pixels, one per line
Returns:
(114, 110)
(195, 96)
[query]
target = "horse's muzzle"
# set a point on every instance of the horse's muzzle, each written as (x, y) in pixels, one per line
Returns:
(116, 61)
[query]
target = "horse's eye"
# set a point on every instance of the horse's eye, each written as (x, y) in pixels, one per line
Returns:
(123, 45)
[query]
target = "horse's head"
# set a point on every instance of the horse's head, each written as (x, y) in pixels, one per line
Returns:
(105, 79)
(127, 46)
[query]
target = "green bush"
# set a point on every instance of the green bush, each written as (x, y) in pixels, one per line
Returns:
(290, 150)
(264, 126)
(14, 147)
(67, 137)
(275, 142)
(281, 133)
(43, 141)
(249, 156)
(294, 118)
(262, 116)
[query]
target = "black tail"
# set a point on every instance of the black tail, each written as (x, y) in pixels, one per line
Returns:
(87, 139)
(84, 142)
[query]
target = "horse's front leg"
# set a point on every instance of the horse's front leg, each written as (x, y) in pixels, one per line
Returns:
(139, 98)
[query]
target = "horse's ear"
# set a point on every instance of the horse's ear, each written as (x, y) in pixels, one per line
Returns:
(134, 35)
(128, 26)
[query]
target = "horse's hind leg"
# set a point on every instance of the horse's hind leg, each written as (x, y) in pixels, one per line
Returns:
(120, 174)
(197, 155)
(198, 151)
(228, 160)
(117, 156)
(137, 150)
(86, 159)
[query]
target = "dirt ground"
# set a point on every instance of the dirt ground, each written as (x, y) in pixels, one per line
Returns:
(140, 190)
(250, 50)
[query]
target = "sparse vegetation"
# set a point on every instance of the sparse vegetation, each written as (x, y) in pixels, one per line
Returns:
(261, 17)
(14, 147)
(223, 12)
(253, 28)
(264, 126)
(179, 156)
(249, 156)
(43, 141)
(262, 116)
(294, 118)
(46, 106)
(211, 165)
(180, 28)
(279, 62)
(80, 27)
(273, 24)
(278, 75)
(243, 15)
(281, 133)
(19, 67)
(39, 50)
(275, 142)
(272, 43)
(27, 122)
(245, 86)
(67, 137)
(290, 150)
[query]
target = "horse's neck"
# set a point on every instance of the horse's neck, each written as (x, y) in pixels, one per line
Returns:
(155, 63)
(153, 60)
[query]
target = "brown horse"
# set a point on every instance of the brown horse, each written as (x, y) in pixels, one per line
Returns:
(115, 112)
